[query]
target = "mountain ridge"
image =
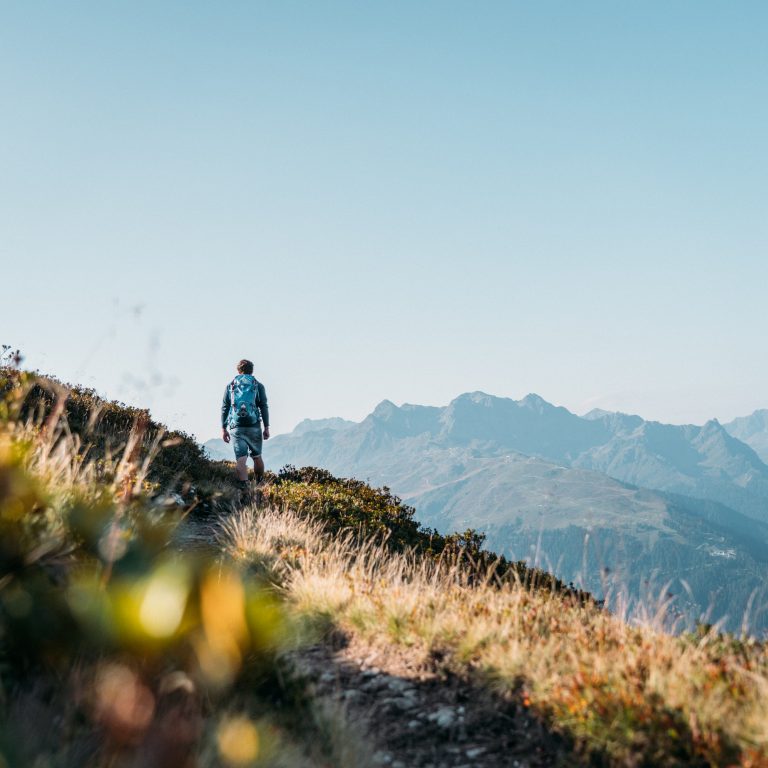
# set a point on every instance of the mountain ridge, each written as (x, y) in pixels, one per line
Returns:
(752, 430)
(674, 458)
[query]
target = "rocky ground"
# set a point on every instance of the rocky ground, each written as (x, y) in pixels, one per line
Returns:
(420, 718)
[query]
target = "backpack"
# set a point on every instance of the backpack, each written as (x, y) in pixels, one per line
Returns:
(243, 398)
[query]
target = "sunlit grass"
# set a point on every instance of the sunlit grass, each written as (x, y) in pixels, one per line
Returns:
(626, 690)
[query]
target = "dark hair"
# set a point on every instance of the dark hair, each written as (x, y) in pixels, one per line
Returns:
(245, 366)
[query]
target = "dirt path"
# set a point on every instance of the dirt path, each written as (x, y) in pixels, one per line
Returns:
(418, 718)
(415, 717)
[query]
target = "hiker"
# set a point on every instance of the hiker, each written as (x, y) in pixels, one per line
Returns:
(243, 409)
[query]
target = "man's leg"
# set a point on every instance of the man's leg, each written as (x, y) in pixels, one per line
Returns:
(241, 455)
(241, 468)
(258, 468)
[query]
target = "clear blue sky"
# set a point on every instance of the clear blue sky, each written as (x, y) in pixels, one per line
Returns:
(401, 200)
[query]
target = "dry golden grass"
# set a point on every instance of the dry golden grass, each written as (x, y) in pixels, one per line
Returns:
(46, 480)
(632, 693)
(627, 690)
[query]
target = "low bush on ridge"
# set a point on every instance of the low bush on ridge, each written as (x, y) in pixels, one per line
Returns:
(348, 504)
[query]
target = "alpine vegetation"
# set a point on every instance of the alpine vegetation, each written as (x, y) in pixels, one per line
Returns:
(150, 617)
(631, 510)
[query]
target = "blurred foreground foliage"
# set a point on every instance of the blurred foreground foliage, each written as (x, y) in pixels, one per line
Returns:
(118, 646)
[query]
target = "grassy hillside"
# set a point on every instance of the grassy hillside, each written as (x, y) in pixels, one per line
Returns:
(124, 640)
(459, 466)
(624, 695)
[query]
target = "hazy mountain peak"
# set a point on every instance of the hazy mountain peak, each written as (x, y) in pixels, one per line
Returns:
(759, 416)
(477, 397)
(401, 422)
(312, 425)
(597, 413)
(618, 421)
(536, 403)
(757, 421)
(753, 430)
(714, 429)
(384, 409)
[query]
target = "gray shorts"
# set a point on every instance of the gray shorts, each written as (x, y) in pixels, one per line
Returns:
(246, 441)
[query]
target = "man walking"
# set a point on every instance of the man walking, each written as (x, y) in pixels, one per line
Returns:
(243, 409)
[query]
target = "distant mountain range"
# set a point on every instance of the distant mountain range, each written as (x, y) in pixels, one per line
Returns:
(752, 430)
(603, 499)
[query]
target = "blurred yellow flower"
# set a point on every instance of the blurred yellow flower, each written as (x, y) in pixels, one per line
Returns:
(165, 599)
(222, 606)
(238, 741)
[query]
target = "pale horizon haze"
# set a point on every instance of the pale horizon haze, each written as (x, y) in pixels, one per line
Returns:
(400, 201)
